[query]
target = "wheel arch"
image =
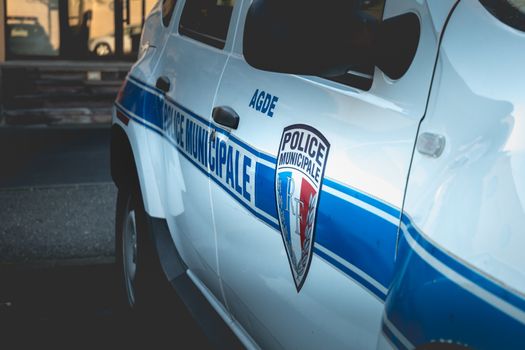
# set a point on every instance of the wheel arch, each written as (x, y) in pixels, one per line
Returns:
(122, 160)
(131, 166)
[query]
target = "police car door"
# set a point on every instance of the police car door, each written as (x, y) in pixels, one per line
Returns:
(190, 70)
(308, 209)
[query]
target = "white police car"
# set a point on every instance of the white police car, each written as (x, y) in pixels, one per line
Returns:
(330, 174)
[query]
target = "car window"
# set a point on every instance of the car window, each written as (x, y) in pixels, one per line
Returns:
(370, 11)
(167, 11)
(207, 21)
(510, 12)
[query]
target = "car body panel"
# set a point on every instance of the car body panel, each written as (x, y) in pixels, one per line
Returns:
(463, 217)
(139, 138)
(386, 272)
(358, 212)
(194, 70)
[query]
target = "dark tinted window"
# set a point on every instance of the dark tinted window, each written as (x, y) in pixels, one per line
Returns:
(207, 20)
(167, 11)
(511, 12)
(371, 12)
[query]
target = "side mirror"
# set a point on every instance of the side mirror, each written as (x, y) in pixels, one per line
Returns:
(396, 43)
(326, 38)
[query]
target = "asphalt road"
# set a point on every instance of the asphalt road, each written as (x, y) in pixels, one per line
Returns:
(78, 307)
(42, 156)
(58, 283)
(56, 196)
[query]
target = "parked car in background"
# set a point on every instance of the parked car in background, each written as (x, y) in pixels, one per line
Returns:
(105, 45)
(338, 179)
(26, 36)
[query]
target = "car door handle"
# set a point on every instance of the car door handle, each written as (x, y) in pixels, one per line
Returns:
(163, 83)
(226, 116)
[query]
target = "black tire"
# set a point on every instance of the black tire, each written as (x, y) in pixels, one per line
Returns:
(102, 50)
(136, 291)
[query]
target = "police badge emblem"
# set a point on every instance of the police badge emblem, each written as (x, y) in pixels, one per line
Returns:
(298, 179)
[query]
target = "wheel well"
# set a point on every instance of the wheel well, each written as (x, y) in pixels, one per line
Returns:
(123, 168)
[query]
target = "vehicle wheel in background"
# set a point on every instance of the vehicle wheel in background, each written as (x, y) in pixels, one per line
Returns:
(102, 49)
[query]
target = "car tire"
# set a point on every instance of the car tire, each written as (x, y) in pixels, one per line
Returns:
(138, 266)
(102, 49)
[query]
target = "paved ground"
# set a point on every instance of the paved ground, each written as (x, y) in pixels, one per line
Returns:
(56, 196)
(76, 307)
(57, 223)
(42, 156)
(58, 285)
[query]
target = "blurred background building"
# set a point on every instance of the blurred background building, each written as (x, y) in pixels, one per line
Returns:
(65, 58)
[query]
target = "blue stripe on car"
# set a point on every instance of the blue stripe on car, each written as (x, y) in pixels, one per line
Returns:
(426, 305)
(365, 241)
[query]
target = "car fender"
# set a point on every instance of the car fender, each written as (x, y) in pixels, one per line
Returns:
(135, 157)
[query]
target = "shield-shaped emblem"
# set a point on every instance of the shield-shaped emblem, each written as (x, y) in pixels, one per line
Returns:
(301, 161)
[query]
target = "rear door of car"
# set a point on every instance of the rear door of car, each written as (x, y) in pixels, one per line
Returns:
(193, 61)
(359, 131)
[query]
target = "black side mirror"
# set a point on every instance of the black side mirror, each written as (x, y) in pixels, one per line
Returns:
(396, 44)
(326, 38)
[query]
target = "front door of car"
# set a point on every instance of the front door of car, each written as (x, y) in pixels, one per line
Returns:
(307, 209)
(190, 69)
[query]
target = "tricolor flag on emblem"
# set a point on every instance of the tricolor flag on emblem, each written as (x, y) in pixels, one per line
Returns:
(300, 169)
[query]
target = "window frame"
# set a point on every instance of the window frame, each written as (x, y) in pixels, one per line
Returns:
(172, 12)
(206, 39)
(517, 23)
